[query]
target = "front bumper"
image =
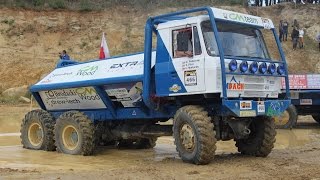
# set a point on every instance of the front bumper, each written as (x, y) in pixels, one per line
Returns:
(248, 108)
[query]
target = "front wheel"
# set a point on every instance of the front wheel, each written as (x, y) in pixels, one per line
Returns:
(261, 139)
(75, 134)
(194, 135)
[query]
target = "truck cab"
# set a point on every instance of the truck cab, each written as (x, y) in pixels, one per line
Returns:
(225, 57)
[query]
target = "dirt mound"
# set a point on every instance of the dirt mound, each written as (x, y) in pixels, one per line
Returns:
(30, 40)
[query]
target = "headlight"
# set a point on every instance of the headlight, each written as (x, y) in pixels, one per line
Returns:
(272, 68)
(263, 68)
(253, 67)
(280, 69)
(233, 65)
(243, 66)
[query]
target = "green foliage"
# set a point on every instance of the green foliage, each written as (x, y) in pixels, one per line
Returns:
(85, 5)
(37, 3)
(57, 4)
(8, 21)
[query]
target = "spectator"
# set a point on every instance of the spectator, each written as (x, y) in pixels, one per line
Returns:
(281, 30)
(285, 30)
(295, 36)
(301, 33)
(64, 55)
(318, 39)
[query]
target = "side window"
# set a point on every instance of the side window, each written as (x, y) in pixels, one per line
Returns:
(196, 40)
(182, 43)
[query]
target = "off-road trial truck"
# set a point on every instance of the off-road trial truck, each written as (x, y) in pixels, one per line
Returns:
(212, 74)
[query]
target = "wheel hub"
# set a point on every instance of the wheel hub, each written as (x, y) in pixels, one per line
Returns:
(70, 137)
(283, 119)
(35, 134)
(187, 137)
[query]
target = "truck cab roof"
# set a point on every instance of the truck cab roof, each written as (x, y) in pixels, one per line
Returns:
(221, 15)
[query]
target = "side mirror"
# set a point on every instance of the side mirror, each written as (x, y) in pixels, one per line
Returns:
(182, 41)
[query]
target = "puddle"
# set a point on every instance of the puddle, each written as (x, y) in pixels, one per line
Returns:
(112, 158)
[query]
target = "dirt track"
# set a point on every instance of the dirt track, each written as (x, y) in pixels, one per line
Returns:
(296, 156)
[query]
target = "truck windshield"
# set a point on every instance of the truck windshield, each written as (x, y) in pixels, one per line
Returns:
(237, 40)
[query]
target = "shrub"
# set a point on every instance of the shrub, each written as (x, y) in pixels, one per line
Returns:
(57, 4)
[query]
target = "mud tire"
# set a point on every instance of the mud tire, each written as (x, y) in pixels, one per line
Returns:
(46, 122)
(204, 135)
(292, 121)
(316, 118)
(261, 139)
(85, 131)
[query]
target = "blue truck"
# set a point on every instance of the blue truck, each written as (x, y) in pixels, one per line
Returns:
(212, 74)
(305, 100)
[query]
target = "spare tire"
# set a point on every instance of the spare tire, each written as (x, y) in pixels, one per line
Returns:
(287, 119)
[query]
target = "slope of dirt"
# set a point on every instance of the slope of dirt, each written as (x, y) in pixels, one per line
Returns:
(30, 40)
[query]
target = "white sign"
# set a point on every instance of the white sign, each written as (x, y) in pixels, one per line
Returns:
(261, 107)
(74, 98)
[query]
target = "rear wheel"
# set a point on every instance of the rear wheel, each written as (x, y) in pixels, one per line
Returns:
(261, 139)
(316, 118)
(287, 119)
(194, 135)
(75, 134)
(37, 130)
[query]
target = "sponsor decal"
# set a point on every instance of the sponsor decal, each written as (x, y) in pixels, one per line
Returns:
(266, 23)
(274, 109)
(305, 101)
(129, 95)
(261, 107)
(74, 98)
(251, 113)
(126, 64)
(242, 18)
(245, 105)
(175, 88)
(190, 78)
(61, 74)
(87, 71)
(235, 85)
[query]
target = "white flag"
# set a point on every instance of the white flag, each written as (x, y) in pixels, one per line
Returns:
(104, 50)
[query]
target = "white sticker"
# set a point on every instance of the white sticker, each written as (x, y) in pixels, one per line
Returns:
(251, 113)
(190, 78)
(261, 107)
(305, 101)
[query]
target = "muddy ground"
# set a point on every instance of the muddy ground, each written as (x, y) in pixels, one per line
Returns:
(296, 156)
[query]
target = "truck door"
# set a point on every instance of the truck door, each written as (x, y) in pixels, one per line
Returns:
(186, 71)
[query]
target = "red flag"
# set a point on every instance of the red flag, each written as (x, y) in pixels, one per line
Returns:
(104, 50)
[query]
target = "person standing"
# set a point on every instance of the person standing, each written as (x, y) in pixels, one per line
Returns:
(318, 39)
(285, 30)
(295, 37)
(301, 34)
(64, 55)
(280, 30)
